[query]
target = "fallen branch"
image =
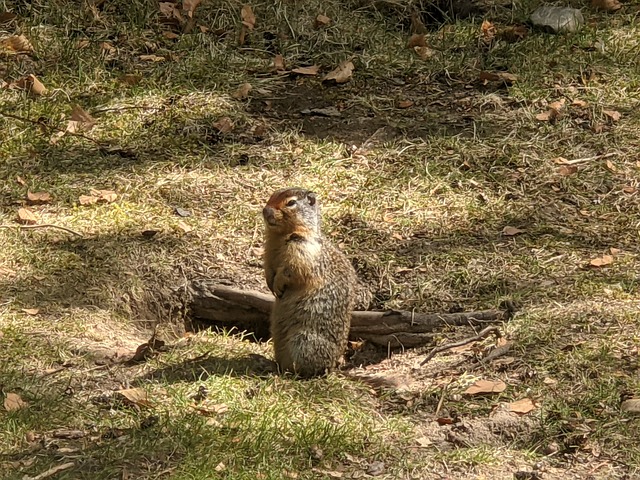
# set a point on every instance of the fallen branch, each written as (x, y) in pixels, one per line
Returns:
(42, 225)
(249, 310)
(448, 346)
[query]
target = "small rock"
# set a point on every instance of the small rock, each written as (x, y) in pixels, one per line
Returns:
(376, 468)
(557, 19)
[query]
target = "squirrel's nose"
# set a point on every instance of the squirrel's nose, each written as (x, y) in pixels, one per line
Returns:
(269, 214)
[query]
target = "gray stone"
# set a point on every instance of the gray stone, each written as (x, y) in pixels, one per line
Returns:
(557, 19)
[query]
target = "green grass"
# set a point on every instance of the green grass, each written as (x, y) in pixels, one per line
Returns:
(417, 197)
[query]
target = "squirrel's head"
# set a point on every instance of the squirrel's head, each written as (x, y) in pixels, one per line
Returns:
(292, 210)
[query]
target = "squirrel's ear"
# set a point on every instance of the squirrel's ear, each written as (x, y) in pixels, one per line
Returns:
(312, 198)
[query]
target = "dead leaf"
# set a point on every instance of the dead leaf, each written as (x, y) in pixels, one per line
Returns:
(614, 251)
(514, 34)
(417, 40)
(26, 217)
(341, 74)
(405, 103)
(13, 402)
(248, 18)
(32, 85)
(631, 405)
(487, 32)
(83, 43)
(606, 5)
(611, 167)
(190, 6)
(601, 261)
(134, 396)
(106, 196)
(312, 70)
(6, 17)
(167, 8)
(87, 199)
(486, 386)
(505, 77)
(522, 406)
(220, 467)
(31, 311)
(184, 228)
(424, 441)
(328, 473)
(424, 52)
(152, 58)
(38, 198)
(203, 29)
(579, 103)
(16, 44)
(278, 63)
(21, 181)
(131, 79)
(322, 21)
(629, 189)
(209, 409)
(107, 47)
(170, 35)
(511, 231)
(78, 114)
(566, 170)
(224, 125)
(553, 112)
(242, 91)
(614, 115)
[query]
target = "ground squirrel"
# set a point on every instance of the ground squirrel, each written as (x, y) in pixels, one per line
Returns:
(314, 283)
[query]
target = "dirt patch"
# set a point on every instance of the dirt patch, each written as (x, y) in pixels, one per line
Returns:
(364, 112)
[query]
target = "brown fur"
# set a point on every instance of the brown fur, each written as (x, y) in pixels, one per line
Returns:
(314, 284)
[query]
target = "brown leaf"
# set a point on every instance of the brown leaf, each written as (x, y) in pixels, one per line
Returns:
(417, 40)
(224, 125)
(614, 115)
(106, 196)
(38, 198)
(566, 170)
(632, 405)
(505, 77)
(611, 167)
(614, 251)
(190, 6)
(424, 52)
(32, 85)
(107, 47)
(21, 181)
(601, 261)
(152, 58)
(511, 231)
(6, 17)
(16, 44)
(487, 32)
(312, 70)
(629, 189)
(579, 103)
(210, 409)
(322, 21)
(248, 18)
(514, 34)
(606, 5)
(167, 8)
(522, 406)
(170, 35)
(341, 74)
(278, 63)
(78, 114)
(486, 386)
(26, 217)
(87, 199)
(183, 227)
(134, 396)
(31, 311)
(13, 402)
(405, 103)
(242, 91)
(131, 79)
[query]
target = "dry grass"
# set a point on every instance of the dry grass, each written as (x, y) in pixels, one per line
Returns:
(418, 198)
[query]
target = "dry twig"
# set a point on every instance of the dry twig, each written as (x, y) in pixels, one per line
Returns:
(42, 225)
(448, 346)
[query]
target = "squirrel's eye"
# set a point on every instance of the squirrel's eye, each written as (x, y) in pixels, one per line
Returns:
(291, 203)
